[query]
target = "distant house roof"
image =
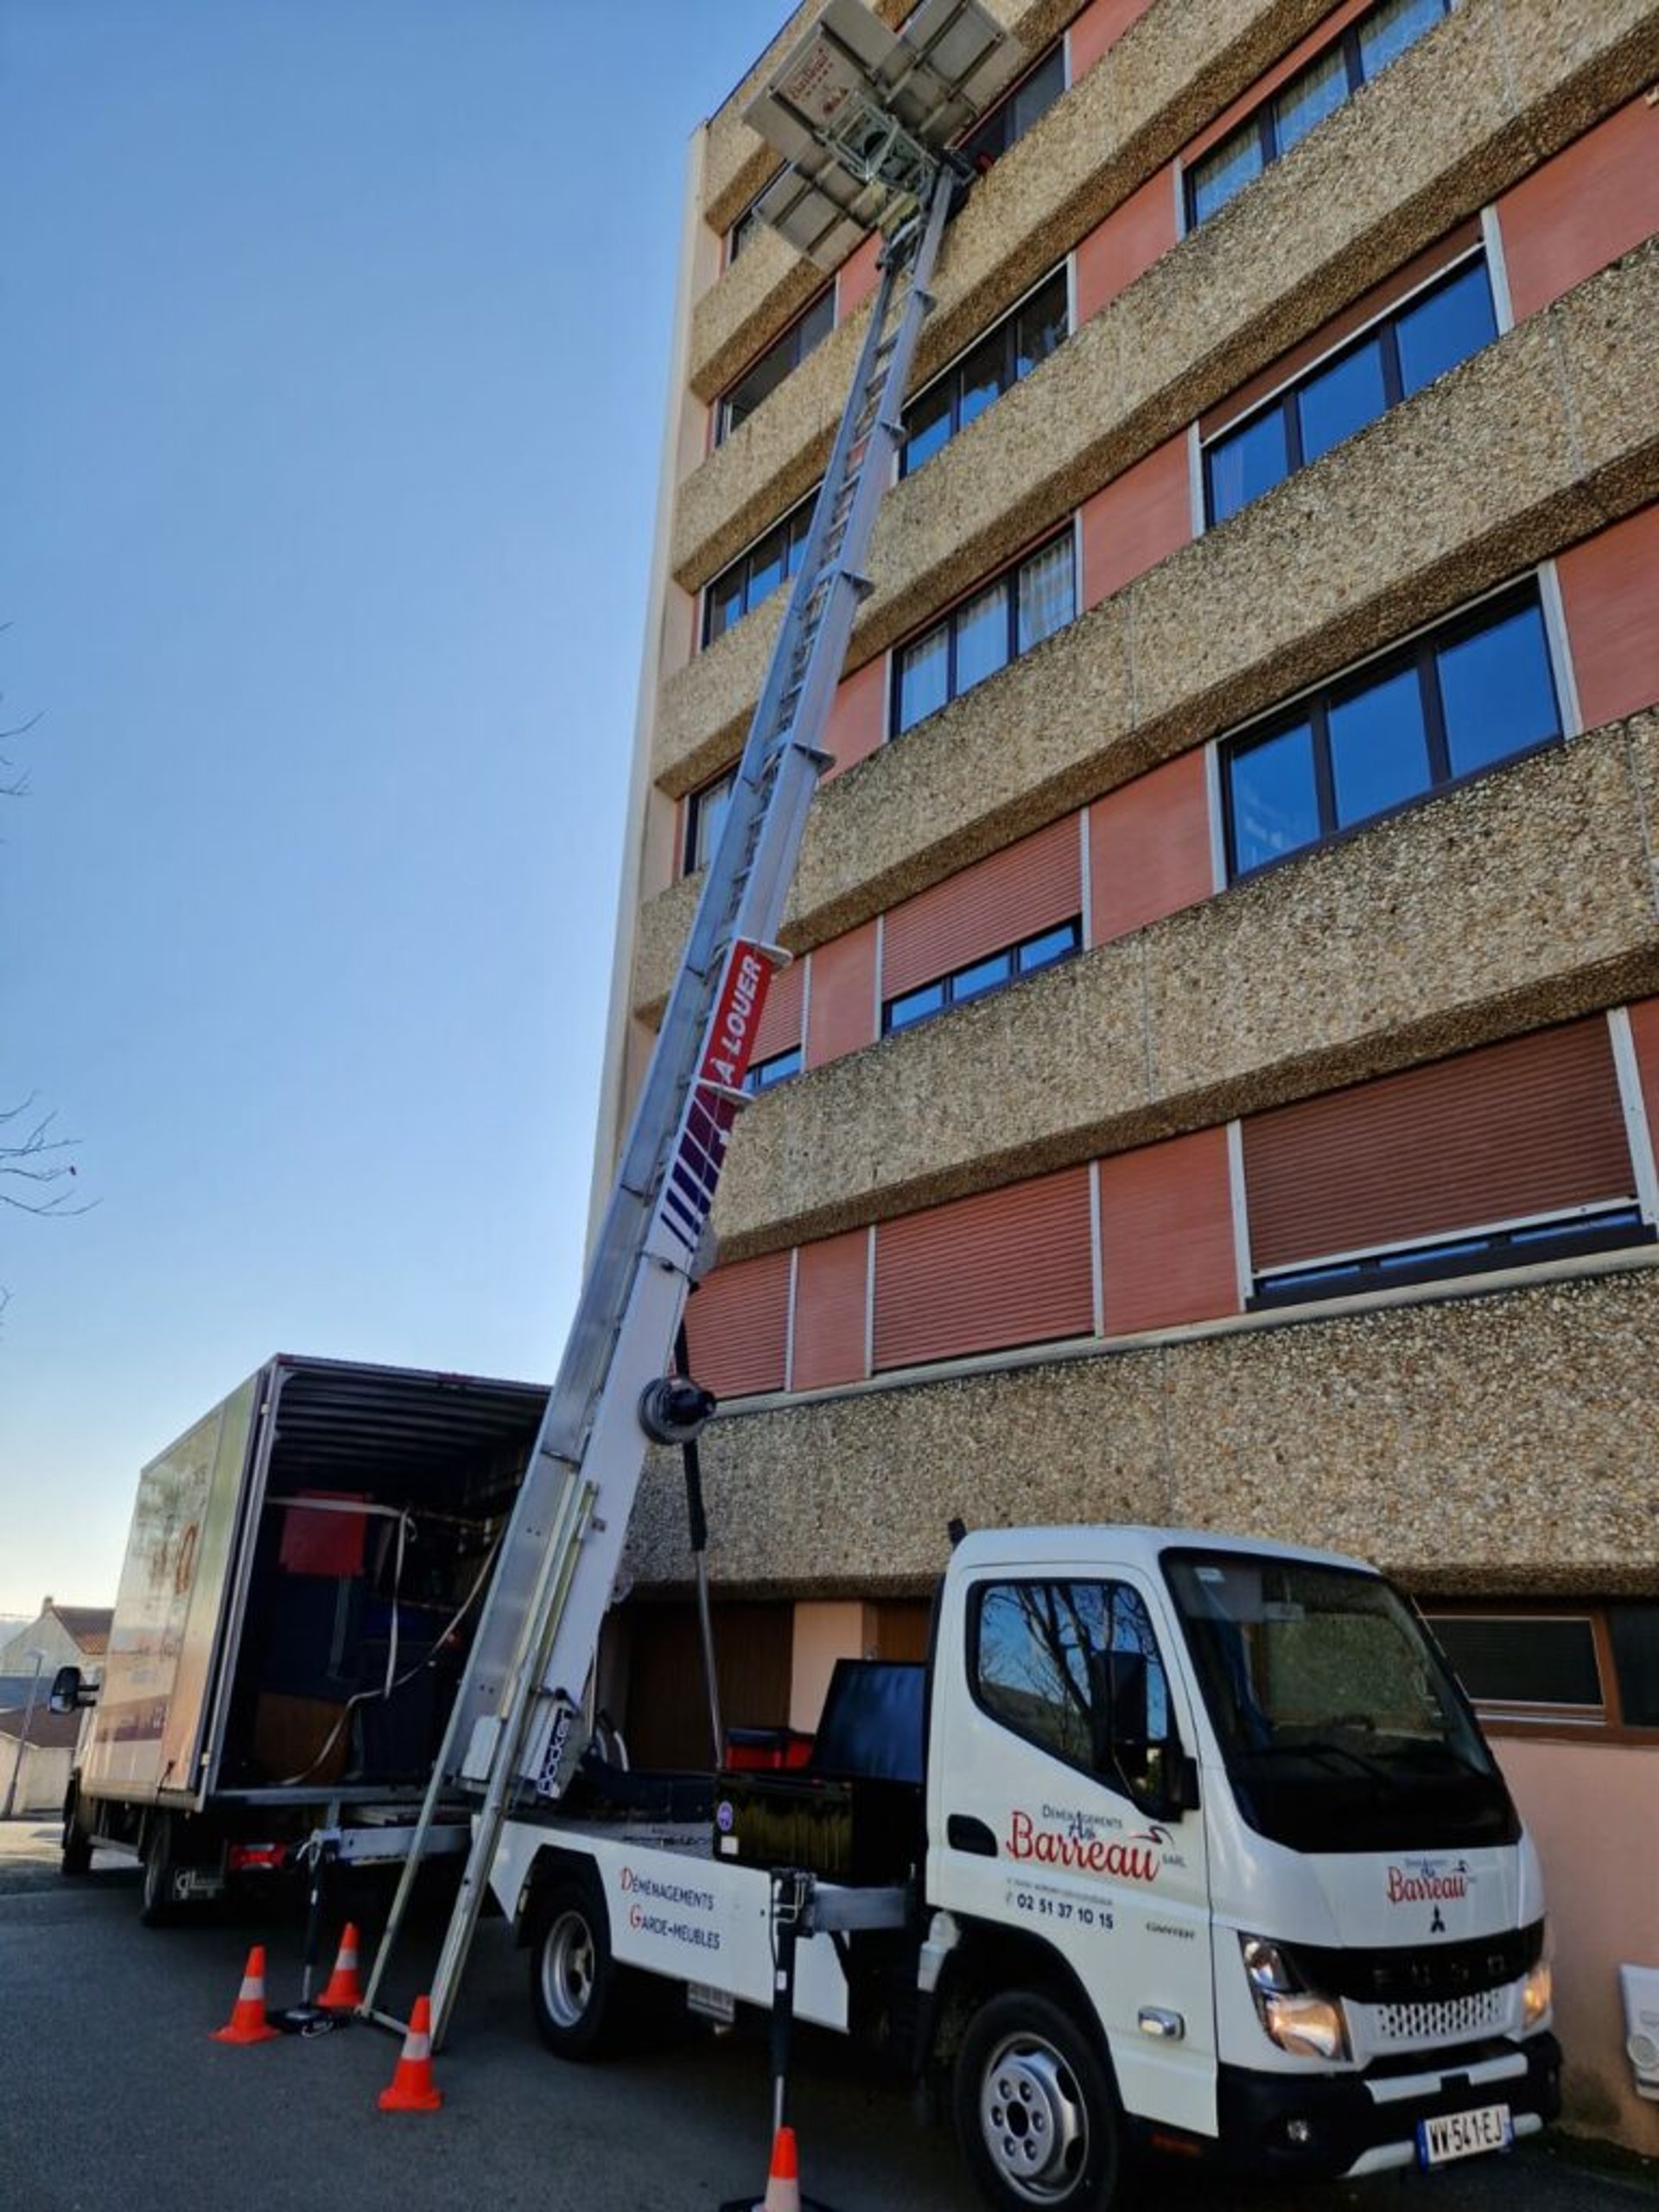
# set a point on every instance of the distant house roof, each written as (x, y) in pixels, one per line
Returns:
(47, 1730)
(88, 1625)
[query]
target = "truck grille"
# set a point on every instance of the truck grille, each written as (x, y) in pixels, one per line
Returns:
(1453, 2019)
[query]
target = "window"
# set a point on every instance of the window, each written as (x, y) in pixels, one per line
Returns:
(765, 1075)
(1609, 1230)
(1012, 349)
(742, 231)
(1421, 340)
(1364, 49)
(754, 576)
(979, 977)
(1006, 124)
(1023, 606)
(785, 354)
(1462, 698)
(1039, 1655)
(705, 817)
(1563, 1668)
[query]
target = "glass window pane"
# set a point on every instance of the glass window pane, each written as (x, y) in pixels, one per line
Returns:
(800, 524)
(1341, 399)
(982, 637)
(1047, 599)
(914, 1006)
(1379, 746)
(1635, 1630)
(1054, 944)
(1226, 171)
(983, 976)
(708, 814)
(1040, 326)
(780, 1069)
(814, 325)
(1497, 692)
(1308, 99)
(982, 378)
(766, 566)
(1389, 29)
(1037, 95)
(1522, 1661)
(922, 671)
(929, 424)
(1248, 461)
(1446, 326)
(1275, 805)
(725, 602)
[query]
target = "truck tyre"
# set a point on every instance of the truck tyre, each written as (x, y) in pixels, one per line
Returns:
(77, 1858)
(1036, 2115)
(156, 1906)
(577, 1988)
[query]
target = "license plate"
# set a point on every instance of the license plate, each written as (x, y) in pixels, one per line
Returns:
(1464, 2134)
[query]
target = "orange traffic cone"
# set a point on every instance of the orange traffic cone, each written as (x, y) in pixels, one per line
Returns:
(247, 2022)
(344, 1992)
(783, 2182)
(412, 2088)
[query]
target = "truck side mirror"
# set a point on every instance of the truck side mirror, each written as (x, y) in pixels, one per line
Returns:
(68, 1692)
(1153, 1771)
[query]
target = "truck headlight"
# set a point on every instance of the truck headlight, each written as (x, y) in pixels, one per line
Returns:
(1292, 2015)
(1537, 1992)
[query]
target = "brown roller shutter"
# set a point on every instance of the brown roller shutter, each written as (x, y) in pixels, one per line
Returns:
(1529, 1127)
(1012, 894)
(736, 1327)
(780, 1018)
(1010, 1267)
(831, 1294)
(1644, 1033)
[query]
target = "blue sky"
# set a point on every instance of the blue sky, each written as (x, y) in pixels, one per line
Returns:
(334, 378)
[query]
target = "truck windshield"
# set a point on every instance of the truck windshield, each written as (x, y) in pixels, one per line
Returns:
(1341, 1726)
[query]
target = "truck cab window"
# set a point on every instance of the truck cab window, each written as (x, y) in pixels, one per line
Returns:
(1036, 1663)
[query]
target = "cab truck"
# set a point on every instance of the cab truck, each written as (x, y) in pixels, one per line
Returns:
(1177, 1841)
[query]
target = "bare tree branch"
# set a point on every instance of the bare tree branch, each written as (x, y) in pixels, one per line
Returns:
(31, 1156)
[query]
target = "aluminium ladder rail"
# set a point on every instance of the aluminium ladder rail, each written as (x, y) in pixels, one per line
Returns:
(516, 1717)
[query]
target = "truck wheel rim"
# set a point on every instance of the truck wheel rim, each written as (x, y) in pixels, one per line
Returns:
(1033, 2120)
(567, 1969)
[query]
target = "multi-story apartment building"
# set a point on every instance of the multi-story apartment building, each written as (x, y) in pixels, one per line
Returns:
(1218, 1079)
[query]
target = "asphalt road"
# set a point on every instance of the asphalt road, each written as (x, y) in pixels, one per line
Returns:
(113, 2098)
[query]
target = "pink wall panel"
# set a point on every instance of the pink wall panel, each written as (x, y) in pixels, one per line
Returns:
(1149, 848)
(1166, 1235)
(857, 278)
(1131, 239)
(1135, 521)
(1102, 23)
(857, 715)
(831, 1296)
(841, 1007)
(1576, 213)
(1610, 589)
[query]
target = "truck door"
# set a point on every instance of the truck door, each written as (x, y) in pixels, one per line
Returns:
(1033, 1825)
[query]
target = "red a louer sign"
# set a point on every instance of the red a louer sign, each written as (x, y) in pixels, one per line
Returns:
(737, 1015)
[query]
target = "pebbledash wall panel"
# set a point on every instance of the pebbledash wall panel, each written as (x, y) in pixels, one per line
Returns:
(1008, 1266)
(1609, 589)
(1577, 213)
(1166, 1235)
(737, 1326)
(1531, 1126)
(781, 1020)
(1026, 888)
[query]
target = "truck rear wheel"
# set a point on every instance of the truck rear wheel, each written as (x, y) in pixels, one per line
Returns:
(1035, 2112)
(77, 1856)
(157, 1904)
(576, 1987)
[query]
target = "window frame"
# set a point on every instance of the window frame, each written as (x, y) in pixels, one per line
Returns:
(759, 1079)
(1008, 576)
(1314, 707)
(1383, 329)
(788, 337)
(1612, 1225)
(1005, 329)
(983, 157)
(1014, 1579)
(696, 803)
(1535, 1721)
(795, 522)
(943, 984)
(1261, 117)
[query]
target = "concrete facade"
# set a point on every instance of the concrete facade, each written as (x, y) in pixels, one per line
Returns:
(1480, 1427)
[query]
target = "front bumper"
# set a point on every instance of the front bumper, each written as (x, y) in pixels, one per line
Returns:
(1324, 2125)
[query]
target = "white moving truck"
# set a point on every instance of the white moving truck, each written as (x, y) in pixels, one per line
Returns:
(1177, 1839)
